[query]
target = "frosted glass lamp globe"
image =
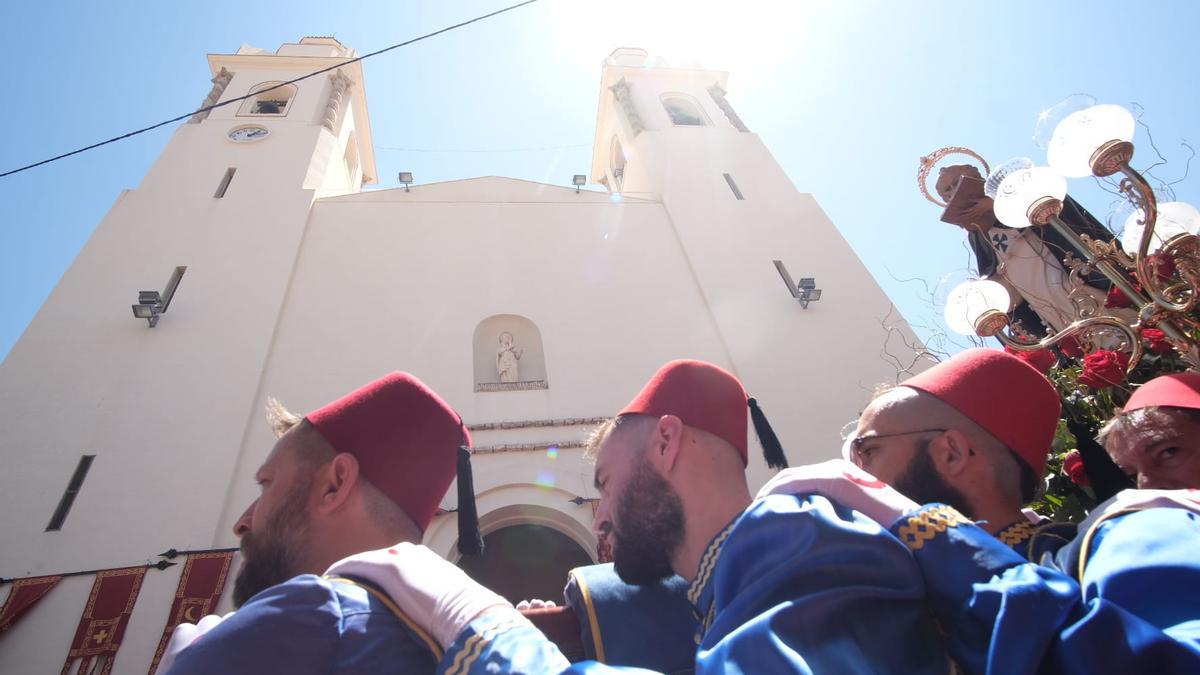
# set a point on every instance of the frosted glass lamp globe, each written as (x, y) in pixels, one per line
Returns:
(997, 176)
(1174, 218)
(977, 307)
(1020, 189)
(1081, 133)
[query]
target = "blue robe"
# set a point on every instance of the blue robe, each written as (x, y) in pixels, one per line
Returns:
(1131, 606)
(311, 625)
(615, 618)
(795, 584)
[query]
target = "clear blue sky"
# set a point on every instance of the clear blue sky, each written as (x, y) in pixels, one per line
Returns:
(846, 94)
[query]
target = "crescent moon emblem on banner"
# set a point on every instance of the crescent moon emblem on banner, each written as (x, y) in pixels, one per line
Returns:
(187, 614)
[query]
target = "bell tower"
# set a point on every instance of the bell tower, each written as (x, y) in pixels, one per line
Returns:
(313, 135)
(229, 197)
(667, 132)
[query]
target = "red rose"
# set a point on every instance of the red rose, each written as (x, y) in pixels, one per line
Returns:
(1103, 368)
(1042, 359)
(1072, 467)
(1156, 340)
(1070, 347)
(1116, 298)
(1162, 264)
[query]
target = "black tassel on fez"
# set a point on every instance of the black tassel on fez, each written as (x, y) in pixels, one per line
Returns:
(772, 449)
(470, 542)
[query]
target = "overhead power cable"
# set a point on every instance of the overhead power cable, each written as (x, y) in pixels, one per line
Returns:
(484, 150)
(281, 84)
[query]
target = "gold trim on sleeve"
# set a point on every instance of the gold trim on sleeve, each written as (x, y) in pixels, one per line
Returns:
(923, 526)
(1016, 533)
(593, 625)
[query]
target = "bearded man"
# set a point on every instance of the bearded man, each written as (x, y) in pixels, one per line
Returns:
(973, 432)
(787, 583)
(364, 472)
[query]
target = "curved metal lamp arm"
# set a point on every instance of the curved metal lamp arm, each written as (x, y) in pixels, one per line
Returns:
(1139, 192)
(1113, 157)
(1133, 340)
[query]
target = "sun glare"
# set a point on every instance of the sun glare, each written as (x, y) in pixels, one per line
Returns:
(749, 38)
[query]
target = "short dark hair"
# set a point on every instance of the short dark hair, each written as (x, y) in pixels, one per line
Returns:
(606, 429)
(1154, 416)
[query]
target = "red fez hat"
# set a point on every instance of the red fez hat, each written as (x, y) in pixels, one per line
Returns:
(709, 398)
(406, 439)
(1001, 393)
(1177, 390)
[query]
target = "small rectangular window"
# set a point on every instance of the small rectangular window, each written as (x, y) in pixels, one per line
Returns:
(733, 186)
(224, 184)
(68, 498)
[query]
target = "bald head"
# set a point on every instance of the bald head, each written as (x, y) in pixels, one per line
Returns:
(931, 410)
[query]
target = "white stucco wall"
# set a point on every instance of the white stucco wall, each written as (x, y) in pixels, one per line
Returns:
(301, 287)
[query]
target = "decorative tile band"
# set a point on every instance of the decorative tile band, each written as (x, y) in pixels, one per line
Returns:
(528, 385)
(525, 447)
(538, 424)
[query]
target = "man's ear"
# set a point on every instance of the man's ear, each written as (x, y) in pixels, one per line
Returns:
(952, 453)
(667, 442)
(334, 482)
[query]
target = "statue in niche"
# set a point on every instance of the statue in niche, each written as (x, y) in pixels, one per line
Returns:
(507, 357)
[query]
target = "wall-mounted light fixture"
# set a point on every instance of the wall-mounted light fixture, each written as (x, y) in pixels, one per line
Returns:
(406, 178)
(152, 304)
(578, 180)
(805, 292)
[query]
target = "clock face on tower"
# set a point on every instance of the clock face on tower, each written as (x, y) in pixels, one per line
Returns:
(248, 134)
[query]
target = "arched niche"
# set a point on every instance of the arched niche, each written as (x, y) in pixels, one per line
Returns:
(508, 354)
(617, 160)
(269, 100)
(684, 111)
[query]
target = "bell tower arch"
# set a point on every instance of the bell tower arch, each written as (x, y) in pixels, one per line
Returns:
(667, 132)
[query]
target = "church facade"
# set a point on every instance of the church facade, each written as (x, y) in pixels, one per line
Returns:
(536, 310)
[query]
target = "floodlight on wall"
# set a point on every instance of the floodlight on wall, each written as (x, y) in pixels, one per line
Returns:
(578, 180)
(805, 292)
(406, 178)
(152, 304)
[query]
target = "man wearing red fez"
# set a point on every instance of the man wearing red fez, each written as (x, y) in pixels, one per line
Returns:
(1155, 439)
(785, 583)
(362, 473)
(1120, 597)
(973, 432)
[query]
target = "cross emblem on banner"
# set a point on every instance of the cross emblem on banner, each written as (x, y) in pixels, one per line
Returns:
(100, 637)
(1001, 241)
